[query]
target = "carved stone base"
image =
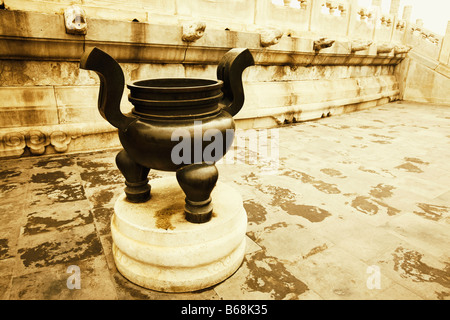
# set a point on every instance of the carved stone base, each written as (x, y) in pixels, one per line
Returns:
(154, 246)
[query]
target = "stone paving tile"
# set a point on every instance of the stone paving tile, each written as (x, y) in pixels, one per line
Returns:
(51, 283)
(58, 216)
(417, 271)
(350, 198)
(432, 238)
(264, 277)
(57, 247)
(55, 181)
(357, 237)
(335, 274)
(395, 292)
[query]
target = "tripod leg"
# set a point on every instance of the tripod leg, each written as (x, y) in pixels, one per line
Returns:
(198, 181)
(137, 188)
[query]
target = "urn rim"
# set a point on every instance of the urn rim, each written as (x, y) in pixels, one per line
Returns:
(175, 85)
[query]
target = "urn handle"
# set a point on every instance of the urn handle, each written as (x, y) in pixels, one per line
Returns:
(229, 70)
(112, 83)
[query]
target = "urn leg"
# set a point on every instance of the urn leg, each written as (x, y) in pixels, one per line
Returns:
(137, 188)
(197, 181)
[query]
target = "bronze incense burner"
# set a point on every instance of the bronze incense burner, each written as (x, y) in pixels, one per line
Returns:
(170, 113)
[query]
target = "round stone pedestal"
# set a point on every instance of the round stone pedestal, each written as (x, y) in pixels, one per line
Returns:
(155, 247)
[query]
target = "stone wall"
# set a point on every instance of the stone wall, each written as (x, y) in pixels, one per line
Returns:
(424, 79)
(48, 105)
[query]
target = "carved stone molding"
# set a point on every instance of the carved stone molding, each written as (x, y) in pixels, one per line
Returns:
(416, 30)
(365, 14)
(37, 141)
(60, 141)
(13, 144)
(385, 48)
(359, 45)
(432, 38)
(401, 25)
(342, 8)
(192, 31)
(322, 43)
(401, 49)
(270, 37)
(157, 48)
(75, 20)
(303, 4)
(386, 21)
(333, 7)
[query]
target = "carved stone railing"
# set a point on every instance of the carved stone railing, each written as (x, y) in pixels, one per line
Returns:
(45, 38)
(38, 140)
(48, 105)
(340, 19)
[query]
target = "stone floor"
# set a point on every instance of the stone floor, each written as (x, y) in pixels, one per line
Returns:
(358, 208)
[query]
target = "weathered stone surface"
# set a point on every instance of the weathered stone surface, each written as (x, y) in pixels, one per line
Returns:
(423, 84)
(350, 193)
(270, 37)
(193, 31)
(25, 106)
(155, 246)
(42, 57)
(75, 20)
